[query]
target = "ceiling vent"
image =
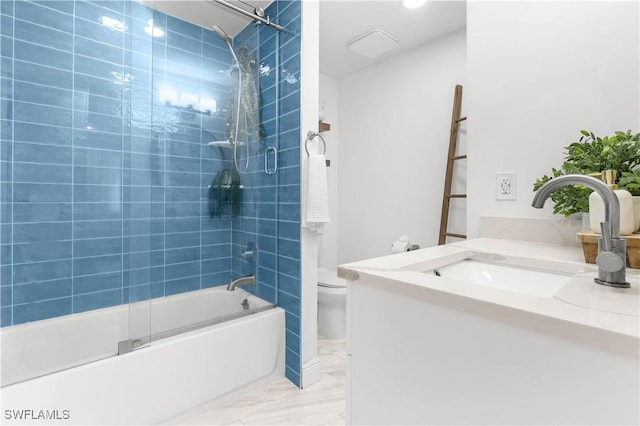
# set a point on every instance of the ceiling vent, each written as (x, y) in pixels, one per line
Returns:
(373, 44)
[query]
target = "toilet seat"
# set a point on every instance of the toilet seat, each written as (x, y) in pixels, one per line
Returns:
(331, 285)
(329, 279)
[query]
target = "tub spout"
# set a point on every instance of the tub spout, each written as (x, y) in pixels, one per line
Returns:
(612, 250)
(247, 279)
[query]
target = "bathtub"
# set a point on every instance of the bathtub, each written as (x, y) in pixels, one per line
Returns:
(197, 350)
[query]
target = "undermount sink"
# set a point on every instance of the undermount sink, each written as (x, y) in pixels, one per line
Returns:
(513, 278)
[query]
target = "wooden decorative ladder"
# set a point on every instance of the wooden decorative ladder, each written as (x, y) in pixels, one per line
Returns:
(451, 158)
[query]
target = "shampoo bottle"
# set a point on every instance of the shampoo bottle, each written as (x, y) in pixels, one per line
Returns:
(596, 206)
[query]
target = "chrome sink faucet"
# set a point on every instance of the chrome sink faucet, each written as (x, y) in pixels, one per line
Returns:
(247, 279)
(612, 250)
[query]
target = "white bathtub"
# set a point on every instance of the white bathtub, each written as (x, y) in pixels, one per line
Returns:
(153, 384)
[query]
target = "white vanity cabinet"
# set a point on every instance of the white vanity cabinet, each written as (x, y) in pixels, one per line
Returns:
(422, 350)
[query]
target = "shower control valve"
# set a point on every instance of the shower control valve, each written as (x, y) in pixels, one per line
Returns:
(249, 254)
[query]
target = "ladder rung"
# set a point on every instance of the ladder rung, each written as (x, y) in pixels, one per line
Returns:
(461, 119)
(457, 196)
(451, 234)
(459, 157)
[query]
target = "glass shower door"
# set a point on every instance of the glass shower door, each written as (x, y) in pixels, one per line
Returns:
(76, 206)
(255, 230)
(142, 178)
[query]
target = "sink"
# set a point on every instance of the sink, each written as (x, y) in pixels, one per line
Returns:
(513, 278)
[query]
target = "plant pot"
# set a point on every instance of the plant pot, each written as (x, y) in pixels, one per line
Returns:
(589, 242)
(636, 212)
(586, 221)
(597, 207)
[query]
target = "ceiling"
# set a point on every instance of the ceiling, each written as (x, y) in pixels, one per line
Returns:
(341, 22)
(207, 13)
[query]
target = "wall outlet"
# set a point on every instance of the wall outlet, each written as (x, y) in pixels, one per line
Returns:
(506, 186)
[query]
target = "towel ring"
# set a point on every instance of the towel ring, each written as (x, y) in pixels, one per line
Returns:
(311, 136)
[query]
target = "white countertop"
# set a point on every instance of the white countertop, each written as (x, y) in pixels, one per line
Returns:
(580, 302)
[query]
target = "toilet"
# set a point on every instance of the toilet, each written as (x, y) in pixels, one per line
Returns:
(332, 304)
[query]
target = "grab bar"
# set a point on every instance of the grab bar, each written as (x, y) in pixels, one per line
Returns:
(267, 170)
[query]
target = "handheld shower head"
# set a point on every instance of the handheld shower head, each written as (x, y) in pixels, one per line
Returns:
(221, 33)
(225, 37)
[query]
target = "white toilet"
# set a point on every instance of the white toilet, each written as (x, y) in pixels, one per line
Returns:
(332, 304)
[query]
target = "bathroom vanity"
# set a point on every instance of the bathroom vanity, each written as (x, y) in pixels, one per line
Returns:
(490, 331)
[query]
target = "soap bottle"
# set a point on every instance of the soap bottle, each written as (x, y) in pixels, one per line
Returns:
(596, 206)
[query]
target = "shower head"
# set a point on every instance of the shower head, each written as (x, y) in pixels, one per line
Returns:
(221, 33)
(225, 37)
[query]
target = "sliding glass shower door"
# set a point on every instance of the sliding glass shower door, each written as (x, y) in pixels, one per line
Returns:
(76, 184)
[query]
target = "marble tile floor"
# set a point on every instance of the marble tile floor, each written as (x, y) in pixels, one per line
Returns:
(282, 403)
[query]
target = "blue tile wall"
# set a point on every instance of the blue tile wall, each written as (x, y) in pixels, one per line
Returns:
(101, 196)
(104, 162)
(275, 223)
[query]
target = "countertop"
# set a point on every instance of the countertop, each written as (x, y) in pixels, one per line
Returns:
(579, 306)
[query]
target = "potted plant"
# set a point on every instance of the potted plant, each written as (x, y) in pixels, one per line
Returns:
(592, 155)
(631, 182)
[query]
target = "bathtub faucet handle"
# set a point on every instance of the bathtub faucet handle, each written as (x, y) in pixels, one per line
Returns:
(249, 253)
(246, 255)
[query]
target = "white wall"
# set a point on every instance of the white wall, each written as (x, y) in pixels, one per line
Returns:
(395, 119)
(309, 77)
(538, 72)
(329, 238)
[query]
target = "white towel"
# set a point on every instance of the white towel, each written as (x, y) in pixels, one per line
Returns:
(316, 212)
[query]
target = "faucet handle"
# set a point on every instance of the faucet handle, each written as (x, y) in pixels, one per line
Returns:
(247, 255)
(609, 261)
(605, 227)
(250, 253)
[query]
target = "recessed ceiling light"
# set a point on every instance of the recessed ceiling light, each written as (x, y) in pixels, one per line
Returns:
(413, 4)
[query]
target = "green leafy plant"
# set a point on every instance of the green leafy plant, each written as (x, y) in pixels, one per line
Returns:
(569, 199)
(590, 156)
(594, 154)
(631, 181)
(225, 194)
